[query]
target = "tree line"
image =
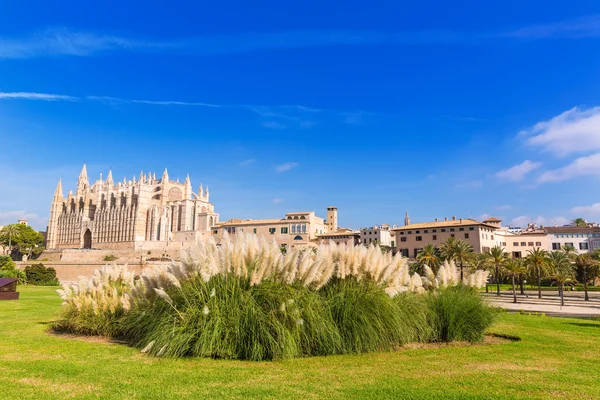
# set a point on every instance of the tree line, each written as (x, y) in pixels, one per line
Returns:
(562, 267)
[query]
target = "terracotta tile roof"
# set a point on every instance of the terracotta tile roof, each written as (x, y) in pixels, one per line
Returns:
(237, 222)
(492, 219)
(443, 224)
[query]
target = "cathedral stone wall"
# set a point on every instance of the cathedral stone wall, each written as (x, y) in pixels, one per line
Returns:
(141, 214)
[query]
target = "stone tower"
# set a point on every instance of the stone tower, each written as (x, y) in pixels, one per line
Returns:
(332, 218)
(406, 219)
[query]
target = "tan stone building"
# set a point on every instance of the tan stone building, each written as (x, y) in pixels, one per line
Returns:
(295, 229)
(519, 244)
(411, 238)
(141, 214)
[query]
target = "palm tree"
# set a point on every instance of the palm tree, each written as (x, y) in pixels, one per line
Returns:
(429, 256)
(498, 257)
(579, 222)
(559, 261)
(10, 232)
(588, 266)
(569, 250)
(537, 263)
(459, 251)
(513, 267)
(446, 248)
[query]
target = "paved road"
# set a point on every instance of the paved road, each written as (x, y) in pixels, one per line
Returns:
(575, 305)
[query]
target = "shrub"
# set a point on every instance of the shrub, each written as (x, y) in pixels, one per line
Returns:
(110, 257)
(38, 274)
(366, 317)
(245, 299)
(226, 317)
(459, 314)
(8, 269)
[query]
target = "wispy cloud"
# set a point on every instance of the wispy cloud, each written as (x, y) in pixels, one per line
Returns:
(523, 221)
(582, 166)
(474, 184)
(278, 201)
(70, 42)
(11, 217)
(504, 207)
(519, 171)
(36, 96)
(247, 162)
(574, 131)
(583, 27)
(273, 125)
(286, 166)
(593, 210)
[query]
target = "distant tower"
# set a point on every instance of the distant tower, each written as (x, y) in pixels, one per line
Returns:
(332, 218)
(55, 210)
(406, 219)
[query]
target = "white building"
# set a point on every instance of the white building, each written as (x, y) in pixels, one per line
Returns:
(380, 233)
(584, 239)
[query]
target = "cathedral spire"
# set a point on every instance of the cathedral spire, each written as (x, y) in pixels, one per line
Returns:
(165, 176)
(58, 193)
(109, 178)
(82, 182)
(406, 219)
(206, 193)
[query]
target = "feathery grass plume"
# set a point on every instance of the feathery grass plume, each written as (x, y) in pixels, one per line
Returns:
(244, 299)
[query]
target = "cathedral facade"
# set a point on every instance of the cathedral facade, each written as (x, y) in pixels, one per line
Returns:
(139, 214)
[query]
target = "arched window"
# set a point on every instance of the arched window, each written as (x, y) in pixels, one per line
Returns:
(298, 238)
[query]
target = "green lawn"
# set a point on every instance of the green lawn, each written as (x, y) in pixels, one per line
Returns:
(556, 358)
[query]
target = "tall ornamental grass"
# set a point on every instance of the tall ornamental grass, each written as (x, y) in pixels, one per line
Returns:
(244, 299)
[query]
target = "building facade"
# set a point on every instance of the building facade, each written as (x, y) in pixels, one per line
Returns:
(411, 238)
(142, 213)
(295, 229)
(584, 239)
(381, 234)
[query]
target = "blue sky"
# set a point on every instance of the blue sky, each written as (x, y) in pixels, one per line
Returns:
(466, 109)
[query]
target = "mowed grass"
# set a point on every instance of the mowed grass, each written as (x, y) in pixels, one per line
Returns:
(556, 358)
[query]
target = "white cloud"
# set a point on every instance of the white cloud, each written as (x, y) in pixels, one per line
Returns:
(523, 221)
(483, 217)
(286, 166)
(36, 96)
(573, 131)
(248, 162)
(277, 201)
(11, 217)
(504, 207)
(588, 165)
(518, 172)
(593, 210)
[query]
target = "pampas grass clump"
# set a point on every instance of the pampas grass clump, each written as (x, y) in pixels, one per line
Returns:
(244, 299)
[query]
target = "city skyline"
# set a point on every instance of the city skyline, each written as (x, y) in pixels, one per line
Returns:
(376, 110)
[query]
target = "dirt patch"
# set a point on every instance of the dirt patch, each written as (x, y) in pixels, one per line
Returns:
(84, 338)
(488, 339)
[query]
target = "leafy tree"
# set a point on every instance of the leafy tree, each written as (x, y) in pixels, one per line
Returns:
(8, 269)
(6, 262)
(8, 234)
(537, 262)
(513, 267)
(588, 266)
(498, 257)
(24, 239)
(430, 256)
(579, 222)
(458, 251)
(38, 274)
